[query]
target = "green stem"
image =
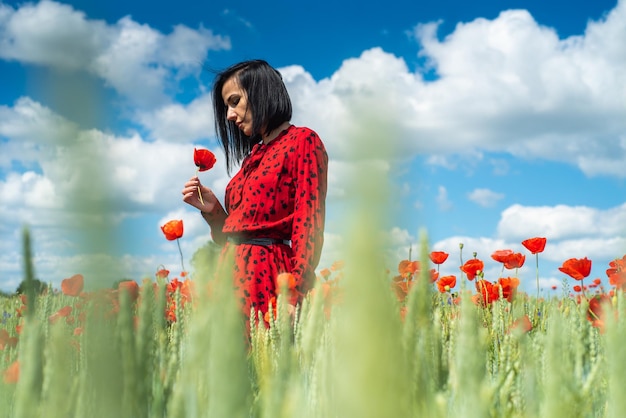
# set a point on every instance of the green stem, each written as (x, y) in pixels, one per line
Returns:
(199, 193)
(537, 300)
(181, 254)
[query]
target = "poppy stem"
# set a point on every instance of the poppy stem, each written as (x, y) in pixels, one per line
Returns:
(199, 192)
(181, 254)
(537, 275)
(537, 270)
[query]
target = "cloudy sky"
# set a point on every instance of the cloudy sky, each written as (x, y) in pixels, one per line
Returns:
(495, 122)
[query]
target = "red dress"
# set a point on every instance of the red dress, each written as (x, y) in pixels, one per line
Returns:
(279, 192)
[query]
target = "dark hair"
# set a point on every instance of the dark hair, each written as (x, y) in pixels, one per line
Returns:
(268, 100)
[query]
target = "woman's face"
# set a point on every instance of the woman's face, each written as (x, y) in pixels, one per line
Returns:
(236, 101)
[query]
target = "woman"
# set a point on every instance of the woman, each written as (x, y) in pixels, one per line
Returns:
(275, 204)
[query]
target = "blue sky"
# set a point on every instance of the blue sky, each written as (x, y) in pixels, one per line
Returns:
(506, 120)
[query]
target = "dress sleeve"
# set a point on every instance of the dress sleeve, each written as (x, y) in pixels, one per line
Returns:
(307, 236)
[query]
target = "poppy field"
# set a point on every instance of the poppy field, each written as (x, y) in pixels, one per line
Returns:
(365, 342)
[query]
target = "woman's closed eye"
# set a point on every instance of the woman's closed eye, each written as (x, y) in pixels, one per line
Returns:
(233, 101)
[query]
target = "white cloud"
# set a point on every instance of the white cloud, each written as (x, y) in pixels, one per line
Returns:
(176, 122)
(51, 34)
(506, 85)
(135, 59)
(562, 222)
(443, 202)
(485, 197)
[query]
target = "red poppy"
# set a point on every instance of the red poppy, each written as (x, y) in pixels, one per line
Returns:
(576, 268)
(272, 311)
(325, 273)
(130, 287)
(401, 287)
(445, 283)
(204, 159)
(472, 267)
(73, 286)
(521, 325)
(501, 255)
(617, 272)
(337, 265)
(509, 287)
(408, 268)
(174, 285)
(487, 292)
(598, 307)
(12, 373)
(535, 245)
(438, 257)
(514, 261)
(61, 313)
(6, 340)
(577, 288)
(286, 279)
(173, 229)
(162, 274)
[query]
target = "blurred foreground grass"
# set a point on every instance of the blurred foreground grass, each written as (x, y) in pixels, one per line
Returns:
(353, 357)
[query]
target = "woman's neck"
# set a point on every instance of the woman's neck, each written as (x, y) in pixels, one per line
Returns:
(273, 134)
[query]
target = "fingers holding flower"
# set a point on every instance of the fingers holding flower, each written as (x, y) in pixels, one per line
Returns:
(192, 192)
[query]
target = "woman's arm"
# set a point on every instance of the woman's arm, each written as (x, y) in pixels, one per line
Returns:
(211, 209)
(307, 237)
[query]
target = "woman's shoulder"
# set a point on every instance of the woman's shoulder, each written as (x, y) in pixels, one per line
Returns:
(303, 133)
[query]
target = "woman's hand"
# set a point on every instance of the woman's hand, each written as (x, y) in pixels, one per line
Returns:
(190, 195)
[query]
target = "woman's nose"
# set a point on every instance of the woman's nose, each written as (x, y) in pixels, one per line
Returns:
(230, 114)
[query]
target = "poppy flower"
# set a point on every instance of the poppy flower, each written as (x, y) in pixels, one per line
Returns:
(173, 230)
(576, 268)
(204, 159)
(434, 275)
(131, 287)
(174, 285)
(501, 255)
(514, 261)
(408, 268)
(521, 325)
(617, 272)
(325, 273)
(472, 268)
(61, 313)
(6, 340)
(337, 265)
(445, 283)
(287, 280)
(72, 286)
(596, 312)
(509, 287)
(487, 292)
(12, 373)
(438, 257)
(162, 274)
(401, 287)
(535, 245)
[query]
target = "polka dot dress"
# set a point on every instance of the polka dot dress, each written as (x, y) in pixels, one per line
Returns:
(280, 193)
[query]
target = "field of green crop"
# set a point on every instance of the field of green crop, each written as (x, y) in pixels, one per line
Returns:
(358, 346)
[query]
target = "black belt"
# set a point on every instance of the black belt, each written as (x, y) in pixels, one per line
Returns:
(266, 242)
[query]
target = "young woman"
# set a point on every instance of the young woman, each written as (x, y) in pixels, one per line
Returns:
(275, 204)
